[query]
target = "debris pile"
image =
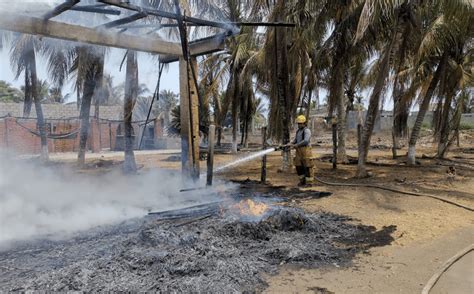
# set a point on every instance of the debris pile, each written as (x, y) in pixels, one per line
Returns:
(222, 254)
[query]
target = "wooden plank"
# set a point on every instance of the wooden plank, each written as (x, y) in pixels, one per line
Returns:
(124, 20)
(37, 26)
(189, 162)
(200, 47)
(95, 9)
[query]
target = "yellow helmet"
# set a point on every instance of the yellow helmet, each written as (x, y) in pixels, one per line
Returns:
(301, 119)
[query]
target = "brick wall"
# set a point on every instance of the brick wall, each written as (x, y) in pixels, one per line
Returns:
(16, 135)
(56, 111)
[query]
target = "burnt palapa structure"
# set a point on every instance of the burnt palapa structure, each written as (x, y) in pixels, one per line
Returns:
(122, 33)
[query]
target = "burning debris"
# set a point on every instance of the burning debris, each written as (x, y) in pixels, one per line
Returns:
(225, 251)
(248, 208)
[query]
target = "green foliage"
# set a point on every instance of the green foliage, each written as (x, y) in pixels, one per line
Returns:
(426, 125)
(9, 93)
(466, 126)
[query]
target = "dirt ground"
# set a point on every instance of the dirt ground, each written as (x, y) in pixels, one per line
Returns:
(428, 231)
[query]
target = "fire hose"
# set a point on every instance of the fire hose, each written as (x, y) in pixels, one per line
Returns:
(396, 191)
(445, 267)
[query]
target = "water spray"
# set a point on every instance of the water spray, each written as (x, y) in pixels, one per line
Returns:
(245, 159)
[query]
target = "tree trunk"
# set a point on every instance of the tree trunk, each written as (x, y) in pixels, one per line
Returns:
(445, 127)
(131, 93)
(88, 93)
(234, 125)
(373, 110)
(89, 85)
(415, 132)
(308, 107)
(400, 116)
(219, 136)
(336, 98)
(28, 95)
(341, 130)
(33, 78)
(235, 94)
(217, 120)
(282, 81)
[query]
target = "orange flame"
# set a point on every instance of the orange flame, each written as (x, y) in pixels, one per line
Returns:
(249, 207)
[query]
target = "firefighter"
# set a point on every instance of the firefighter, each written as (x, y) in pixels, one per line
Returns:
(303, 159)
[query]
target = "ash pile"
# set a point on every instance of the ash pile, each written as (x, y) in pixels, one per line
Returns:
(195, 252)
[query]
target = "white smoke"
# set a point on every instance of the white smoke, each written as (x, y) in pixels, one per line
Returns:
(28, 6)
(54, 202)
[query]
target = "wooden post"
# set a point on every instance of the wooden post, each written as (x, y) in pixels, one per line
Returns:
(334, 144)
(189, 131)
(263, 176)
(210, 154)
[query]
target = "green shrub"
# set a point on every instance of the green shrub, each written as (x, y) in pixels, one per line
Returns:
(466, 126)
(426, 125)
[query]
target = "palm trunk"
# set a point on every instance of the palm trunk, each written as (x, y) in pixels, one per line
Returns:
(28, 95)
(415, 132)
(401, 107)
(308, 107)
(400, 116)
(219, 136)
(445, 127)
(131, 93)
(236, 95)
(282, 81)
(341, 130)
(373, 110)
(336, 98)
(31, 70)
(89, 86)
(217, 120)
(235, 122)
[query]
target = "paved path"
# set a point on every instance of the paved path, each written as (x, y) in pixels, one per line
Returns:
(458, 279)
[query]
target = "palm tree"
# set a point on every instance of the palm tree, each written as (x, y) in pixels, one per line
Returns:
(228, 67)
(168, 100)
(23, 59)
(459, 75)
(87, 66)
(341, 52)
(446, 26)
(389, 19)
(259, 119)
(282, 63)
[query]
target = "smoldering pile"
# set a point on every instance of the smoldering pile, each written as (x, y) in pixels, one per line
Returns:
(214, 254)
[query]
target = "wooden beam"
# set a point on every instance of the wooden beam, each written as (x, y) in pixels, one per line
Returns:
(37, 26)
(124, 20)
(60, 9)
(189, 139)
(200, 47)
(95, 9)
(166, 14)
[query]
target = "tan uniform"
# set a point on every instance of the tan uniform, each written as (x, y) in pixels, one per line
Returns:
(303, 157)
